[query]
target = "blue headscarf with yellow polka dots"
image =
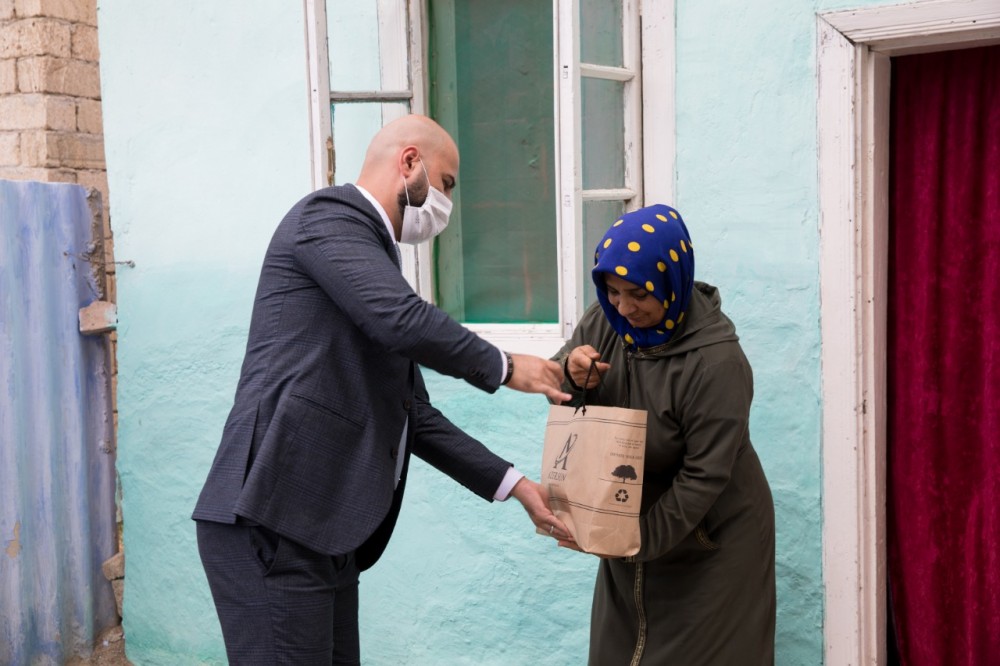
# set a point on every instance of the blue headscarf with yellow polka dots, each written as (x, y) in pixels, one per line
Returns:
(650, 248)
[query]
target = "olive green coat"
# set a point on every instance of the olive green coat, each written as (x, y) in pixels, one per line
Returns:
(701, 588)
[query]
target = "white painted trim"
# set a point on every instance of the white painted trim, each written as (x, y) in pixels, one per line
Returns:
(659, 150)
(842, 555)
(423, 260)
(402, 96)
(606, 73)
(632, 57)
(920, 26)
(569, 212)
(318, 79)
(616, 194)
(395, 75)
(873, 77)
(539, 339)
(852, 125)
(571, 195)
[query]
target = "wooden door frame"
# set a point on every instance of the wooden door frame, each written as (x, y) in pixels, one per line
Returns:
(853, 69)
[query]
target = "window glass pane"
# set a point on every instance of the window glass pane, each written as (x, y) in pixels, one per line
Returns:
(601, 32)
(603, 133)
(354, 125)
(353, 38)
(492, 88)
(597, 217)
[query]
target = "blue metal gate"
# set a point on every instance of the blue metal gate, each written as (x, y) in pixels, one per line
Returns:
(57, 514)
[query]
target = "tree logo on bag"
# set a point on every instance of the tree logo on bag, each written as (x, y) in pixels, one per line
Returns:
(625, 472)
(564, 454)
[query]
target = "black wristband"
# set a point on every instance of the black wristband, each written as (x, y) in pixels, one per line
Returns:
(510, 369)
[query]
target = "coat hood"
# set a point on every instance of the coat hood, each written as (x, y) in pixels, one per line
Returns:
(706, 325)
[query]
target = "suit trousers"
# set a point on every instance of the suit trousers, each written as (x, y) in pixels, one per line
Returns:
(279, 602)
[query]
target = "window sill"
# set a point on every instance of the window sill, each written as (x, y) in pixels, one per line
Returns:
(539, 339)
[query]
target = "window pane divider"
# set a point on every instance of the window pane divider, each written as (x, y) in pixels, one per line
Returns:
(372, 96)
(611, 194)
(605, 72)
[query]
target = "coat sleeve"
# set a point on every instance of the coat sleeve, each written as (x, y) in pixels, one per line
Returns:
(350, 263)
(439, 442)
(714, 416)
(591, 330)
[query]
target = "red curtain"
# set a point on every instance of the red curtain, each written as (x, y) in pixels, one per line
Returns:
(944, 358)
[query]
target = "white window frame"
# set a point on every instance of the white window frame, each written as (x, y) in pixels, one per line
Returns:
(649, 75)
(570, 195)
(853, 54)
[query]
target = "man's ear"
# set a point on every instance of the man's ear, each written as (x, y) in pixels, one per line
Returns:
(408, 159)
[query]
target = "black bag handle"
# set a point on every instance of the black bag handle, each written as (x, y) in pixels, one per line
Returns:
(583, 395)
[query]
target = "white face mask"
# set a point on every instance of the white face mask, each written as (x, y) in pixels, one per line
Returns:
(424, 222)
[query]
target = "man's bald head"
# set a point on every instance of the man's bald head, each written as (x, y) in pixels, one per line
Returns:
(413, 130)
(406, 157)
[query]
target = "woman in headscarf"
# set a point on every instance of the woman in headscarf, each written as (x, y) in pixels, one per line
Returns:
(701, 588)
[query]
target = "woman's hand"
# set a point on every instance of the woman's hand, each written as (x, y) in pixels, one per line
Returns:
(578, 364)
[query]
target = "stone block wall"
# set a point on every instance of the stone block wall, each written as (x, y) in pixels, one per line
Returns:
(50, 98)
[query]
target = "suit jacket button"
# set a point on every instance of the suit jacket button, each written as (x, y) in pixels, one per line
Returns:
(406, 405)
(394, 453)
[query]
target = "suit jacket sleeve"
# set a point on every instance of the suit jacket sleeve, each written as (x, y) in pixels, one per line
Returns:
(351, 264)
(442, 444)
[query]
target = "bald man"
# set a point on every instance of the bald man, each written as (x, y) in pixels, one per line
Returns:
(307, 482)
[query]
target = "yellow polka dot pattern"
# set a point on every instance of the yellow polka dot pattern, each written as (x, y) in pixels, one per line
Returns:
(629, 254)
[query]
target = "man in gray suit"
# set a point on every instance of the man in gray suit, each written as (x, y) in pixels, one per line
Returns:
(308, 480)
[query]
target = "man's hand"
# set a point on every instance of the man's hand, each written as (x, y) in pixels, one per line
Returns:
(533, 374)
(578, 365)
(535, 500)
(572, 545)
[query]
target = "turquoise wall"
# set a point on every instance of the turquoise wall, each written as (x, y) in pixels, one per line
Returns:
(205, 110)
(746, 185)
(206, 135)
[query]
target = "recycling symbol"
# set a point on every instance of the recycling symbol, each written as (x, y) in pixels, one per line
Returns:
(622, 495)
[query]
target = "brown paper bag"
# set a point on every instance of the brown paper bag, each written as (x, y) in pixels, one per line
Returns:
(592, 466)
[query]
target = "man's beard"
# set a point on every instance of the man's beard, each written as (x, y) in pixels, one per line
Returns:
(417, 197)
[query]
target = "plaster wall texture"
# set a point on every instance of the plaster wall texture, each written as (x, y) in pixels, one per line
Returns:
(205, 112)
(207, 131)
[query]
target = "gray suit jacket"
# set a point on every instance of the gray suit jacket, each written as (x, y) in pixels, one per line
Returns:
(329, 378)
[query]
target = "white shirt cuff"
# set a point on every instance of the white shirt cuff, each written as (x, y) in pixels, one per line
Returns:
(503, 367)
(510, 479)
